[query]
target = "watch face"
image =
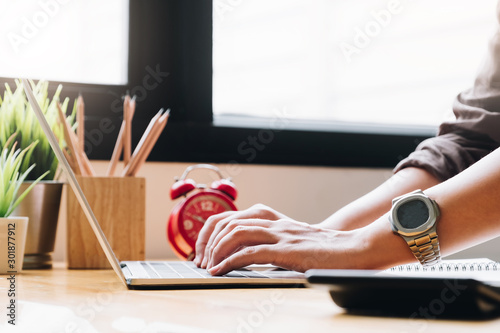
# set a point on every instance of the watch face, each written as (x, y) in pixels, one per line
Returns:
(412, 214)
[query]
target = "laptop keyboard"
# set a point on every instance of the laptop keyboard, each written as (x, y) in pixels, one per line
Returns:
(187, 269)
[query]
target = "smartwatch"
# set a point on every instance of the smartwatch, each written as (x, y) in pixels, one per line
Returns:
(413, 217)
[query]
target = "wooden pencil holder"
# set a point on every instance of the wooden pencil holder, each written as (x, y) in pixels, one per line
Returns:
(119, 204)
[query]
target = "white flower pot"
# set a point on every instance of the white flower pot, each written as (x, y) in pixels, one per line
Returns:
(13, 232)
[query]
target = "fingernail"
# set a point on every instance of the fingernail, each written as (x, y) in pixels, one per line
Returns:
(214, 270)
(204, 262)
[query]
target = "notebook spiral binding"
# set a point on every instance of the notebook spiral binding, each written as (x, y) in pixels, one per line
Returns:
(449, 267)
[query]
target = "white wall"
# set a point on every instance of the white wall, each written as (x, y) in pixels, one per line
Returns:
(308, 194)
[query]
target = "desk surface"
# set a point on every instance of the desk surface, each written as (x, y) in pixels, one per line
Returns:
(61, 300)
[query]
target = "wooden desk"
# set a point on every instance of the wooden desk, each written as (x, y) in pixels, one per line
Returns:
(61, 300)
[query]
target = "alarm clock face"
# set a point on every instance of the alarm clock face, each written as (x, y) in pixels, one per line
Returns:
(188, 218)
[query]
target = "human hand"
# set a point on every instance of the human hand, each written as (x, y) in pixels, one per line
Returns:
(260, 235)
(216, 223)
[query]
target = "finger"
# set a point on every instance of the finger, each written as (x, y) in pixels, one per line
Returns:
(240, 238)
(215, 231)
(231, 228)
(258, 211)
(205, 233)
(260, 254)
(264, 212)
(221, 225)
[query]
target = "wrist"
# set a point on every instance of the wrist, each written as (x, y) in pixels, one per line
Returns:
(380, 247)
(340, 221)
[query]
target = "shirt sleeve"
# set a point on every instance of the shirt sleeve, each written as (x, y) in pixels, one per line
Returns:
(474, 133)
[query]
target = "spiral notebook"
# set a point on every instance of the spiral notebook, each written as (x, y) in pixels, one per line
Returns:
(481, 268)
(468, 288)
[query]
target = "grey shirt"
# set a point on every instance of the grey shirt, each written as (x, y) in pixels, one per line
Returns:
(476, 130)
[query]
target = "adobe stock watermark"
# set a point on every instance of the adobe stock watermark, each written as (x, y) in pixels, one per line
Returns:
(89, 308)
(363, 36)
(151, 80)
(222, 7)
(436, 307)
(317, 257)
(254, 144)
(34, 24)
(263, 310)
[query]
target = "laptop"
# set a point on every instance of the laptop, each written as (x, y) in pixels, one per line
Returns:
(467, 288)
(162, 274)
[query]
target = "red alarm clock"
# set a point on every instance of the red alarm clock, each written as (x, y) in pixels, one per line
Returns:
(189, 215)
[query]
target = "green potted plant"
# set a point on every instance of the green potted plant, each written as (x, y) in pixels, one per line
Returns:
(43, 202)
(11, 179)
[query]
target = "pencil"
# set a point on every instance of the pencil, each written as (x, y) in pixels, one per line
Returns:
(132, 107)
(85, 162)
(145, 137)
(148, 146)
(127, 143)
(80, 136)
(87, 166)
(147, 132)
(116, 152)
(69, 141)
(162, 122)
(143, 154)
(80, 115)
(119, 144)
(71, 160)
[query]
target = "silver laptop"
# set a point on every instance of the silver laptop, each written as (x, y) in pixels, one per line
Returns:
(161, 274)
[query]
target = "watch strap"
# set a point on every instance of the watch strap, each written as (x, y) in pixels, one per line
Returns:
(426, 248)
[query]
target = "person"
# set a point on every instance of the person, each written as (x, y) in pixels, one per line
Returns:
(459, 169)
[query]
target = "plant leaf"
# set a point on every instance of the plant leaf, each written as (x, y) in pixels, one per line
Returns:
(25, 193)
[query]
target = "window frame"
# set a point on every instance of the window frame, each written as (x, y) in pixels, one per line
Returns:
(175, 37)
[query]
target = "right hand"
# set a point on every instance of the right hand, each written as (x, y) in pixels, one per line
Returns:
(216, 223)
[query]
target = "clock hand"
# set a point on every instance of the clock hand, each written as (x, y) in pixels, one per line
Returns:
(202, 220)
(196, 217)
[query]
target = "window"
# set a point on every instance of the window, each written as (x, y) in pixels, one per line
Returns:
(225, 107)
(370, 62)
(69, 41)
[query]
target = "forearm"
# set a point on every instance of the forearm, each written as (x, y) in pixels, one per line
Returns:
(469, 204)
(470, 214)
(368, 208)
